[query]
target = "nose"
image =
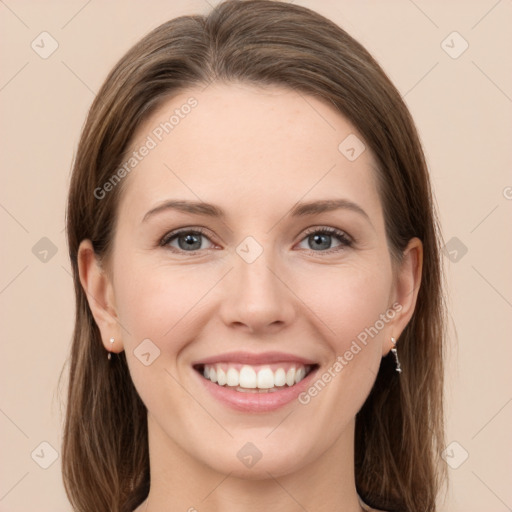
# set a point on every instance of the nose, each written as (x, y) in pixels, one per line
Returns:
(256, 297)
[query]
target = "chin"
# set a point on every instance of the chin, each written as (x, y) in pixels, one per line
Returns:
(257, 460)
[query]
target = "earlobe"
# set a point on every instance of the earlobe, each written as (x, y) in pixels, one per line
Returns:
(99, 292)
(408, 282)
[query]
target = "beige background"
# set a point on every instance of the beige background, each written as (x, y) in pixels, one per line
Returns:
(462, 107)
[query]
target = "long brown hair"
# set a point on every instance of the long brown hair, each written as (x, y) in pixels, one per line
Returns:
(399, 430)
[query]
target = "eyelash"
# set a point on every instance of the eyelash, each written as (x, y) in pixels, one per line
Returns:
(344, 239)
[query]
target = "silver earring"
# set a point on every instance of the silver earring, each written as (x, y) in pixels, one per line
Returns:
(111, 344)
(395, 353)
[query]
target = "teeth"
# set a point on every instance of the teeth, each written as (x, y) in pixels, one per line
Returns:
(279, 377)
(246, 377)
(221, 377)
(290, 377)
(265, 378)
(233, 378)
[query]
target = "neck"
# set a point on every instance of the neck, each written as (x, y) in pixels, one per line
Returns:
(181, 482)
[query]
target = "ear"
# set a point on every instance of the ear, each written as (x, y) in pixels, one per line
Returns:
(100, 296)
(406, 288)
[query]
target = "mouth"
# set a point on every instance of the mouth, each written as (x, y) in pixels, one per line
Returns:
(255, 378)
(255, 383)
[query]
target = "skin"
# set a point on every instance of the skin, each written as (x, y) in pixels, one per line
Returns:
(255, 153)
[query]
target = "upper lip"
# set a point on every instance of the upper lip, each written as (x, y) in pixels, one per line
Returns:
(254, 359)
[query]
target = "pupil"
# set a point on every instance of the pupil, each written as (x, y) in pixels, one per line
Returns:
(190, 240)
(322, 241)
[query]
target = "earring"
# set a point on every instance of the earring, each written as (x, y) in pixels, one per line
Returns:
(110, 353)
(395, 353)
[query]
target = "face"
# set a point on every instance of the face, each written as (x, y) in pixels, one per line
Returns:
(282, 291)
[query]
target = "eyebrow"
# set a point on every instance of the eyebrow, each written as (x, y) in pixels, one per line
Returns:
(299, 210)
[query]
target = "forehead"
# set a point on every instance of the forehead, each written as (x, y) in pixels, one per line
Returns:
(237, 144)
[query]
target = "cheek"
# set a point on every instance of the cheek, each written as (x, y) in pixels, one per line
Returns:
(153, 300)
(157, 306)
(162, 302)
(348, 301)
(349, 304)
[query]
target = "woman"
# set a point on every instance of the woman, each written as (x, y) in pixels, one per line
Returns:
(256, 261)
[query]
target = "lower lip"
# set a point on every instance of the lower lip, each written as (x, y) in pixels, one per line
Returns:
(257, 402)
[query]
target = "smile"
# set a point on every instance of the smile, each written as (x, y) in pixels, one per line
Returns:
(255, 378)
(255, 383)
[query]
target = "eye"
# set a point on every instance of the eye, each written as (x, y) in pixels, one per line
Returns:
(188, 240)
(321, 239)
(318, 240)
